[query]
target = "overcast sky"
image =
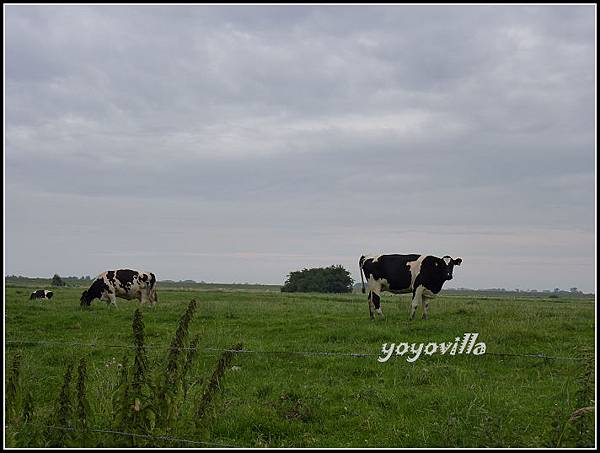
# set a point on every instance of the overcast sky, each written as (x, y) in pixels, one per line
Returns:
(239, 143)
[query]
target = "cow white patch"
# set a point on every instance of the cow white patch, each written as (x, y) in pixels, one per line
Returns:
(377, 284)
(415, 268)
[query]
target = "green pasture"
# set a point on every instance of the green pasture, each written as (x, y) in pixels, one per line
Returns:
(273, 398)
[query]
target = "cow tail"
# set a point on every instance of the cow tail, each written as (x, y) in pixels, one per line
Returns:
(360, 263)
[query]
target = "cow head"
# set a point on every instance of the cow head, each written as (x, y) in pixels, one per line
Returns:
(450, 263)
(85, 299)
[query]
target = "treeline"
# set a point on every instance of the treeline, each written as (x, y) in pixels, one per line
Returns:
(55, 280)
(85, 281)
(331, 279)
(554, 294)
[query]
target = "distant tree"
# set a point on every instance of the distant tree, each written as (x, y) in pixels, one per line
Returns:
(574, 289)
(57, 281)
(332, 279)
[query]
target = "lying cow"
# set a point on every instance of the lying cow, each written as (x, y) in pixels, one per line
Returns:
(423, 275)
(41, 294)
(124, 283)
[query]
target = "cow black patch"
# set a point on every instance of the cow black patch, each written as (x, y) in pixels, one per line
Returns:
(94, 292)
(125, 277)
(376, 301)
(432, 275)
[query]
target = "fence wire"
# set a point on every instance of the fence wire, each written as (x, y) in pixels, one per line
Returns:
(534, 356)
(143, 436)
(252, 351)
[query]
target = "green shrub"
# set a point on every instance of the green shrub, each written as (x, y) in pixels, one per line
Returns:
(332, 279)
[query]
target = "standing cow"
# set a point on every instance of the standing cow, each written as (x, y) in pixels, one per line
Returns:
(423, 275)
(41, 294)
(124, 283)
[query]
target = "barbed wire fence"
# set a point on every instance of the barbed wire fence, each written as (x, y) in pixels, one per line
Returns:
(210, 350)
(253, 351)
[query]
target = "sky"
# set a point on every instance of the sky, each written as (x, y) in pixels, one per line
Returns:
(240, 143)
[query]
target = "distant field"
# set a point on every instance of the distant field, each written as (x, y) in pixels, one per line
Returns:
(272, 398)
(30, 282)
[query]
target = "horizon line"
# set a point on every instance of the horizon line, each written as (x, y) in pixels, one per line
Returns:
(498, 289)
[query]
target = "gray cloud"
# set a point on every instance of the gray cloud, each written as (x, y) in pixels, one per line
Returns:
(286, 136)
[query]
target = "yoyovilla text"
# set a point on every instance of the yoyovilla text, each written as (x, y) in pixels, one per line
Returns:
(466, 345)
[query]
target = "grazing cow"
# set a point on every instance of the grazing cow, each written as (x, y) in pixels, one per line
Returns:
(41, 294)
(123, 283)
(423, 275)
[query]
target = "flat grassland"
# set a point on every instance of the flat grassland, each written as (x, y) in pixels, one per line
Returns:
(274, 398)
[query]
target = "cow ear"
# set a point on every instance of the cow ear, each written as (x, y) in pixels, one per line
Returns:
(457, 261)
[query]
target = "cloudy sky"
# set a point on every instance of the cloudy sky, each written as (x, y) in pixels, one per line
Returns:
(239, 143)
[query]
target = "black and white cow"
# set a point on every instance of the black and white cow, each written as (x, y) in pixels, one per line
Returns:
(124, 283)
(423, 275)
(41, 294)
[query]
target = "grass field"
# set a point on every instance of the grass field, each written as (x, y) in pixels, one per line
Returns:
(275, 399)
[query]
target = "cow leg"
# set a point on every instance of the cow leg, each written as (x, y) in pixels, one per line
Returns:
(377, 304)
(427, 294)
(152, 297)
(425, 304)
(371, 314)
(148, 298)
(417, 297)
(112, 300)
